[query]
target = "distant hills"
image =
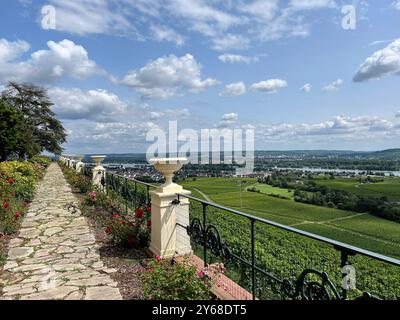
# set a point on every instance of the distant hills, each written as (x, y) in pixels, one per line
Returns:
(388, 154)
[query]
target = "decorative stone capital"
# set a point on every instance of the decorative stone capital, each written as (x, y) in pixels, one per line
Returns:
(98, 160)
(168, 166)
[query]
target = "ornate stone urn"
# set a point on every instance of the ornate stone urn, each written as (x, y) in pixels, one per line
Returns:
(98, 160)
(80, 164)
(167, 166)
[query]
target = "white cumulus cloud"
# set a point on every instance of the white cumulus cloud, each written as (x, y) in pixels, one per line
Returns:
(97, 104)
(167, 77)
(233, 89)
(333, 86)
(306, 88)
(345, 127)
(228, 119)
(270, 86)
(382, 63)
(64, 58)
(12, 50)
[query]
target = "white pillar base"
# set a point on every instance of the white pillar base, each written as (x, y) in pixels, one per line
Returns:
(98, 173)
(167, 238)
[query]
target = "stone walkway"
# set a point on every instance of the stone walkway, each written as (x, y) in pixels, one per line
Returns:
(55, 255)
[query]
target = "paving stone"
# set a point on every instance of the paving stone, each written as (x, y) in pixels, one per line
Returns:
(51, 231)
(102, 293)
(93, 281)
(19, 252)
(52, 294)
(77, 295)
(29, 233)
(55, 255)
(15, 242)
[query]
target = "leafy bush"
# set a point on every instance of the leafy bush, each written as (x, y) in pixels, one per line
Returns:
(170, 280)
(84, 184)
(78, 181)
(129, 230)
(41, 160)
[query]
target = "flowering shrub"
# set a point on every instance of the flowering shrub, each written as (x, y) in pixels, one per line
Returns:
(92, 196)
(81, 182)
(24, 175)
(131, 230)
(17, 185)
(170, 280)
(41, 160)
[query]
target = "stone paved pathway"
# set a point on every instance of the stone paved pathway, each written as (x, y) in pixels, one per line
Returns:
(55, 255)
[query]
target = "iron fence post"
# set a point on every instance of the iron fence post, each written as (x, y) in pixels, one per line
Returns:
(253, 261)
(135, 206)
(205, 234)
(126, 195)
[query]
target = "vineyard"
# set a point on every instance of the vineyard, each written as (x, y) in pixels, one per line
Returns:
(286, 254)
(365, 231)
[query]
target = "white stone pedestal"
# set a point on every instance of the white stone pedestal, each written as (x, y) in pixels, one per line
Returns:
(98, 172)
(79, 165)
(167, 238)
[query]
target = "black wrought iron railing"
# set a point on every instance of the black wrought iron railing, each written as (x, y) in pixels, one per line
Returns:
(87, 169)
(133, 193)
(276, 261)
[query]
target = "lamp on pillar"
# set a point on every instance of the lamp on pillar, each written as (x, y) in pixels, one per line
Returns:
(98, 171)
(167, 239)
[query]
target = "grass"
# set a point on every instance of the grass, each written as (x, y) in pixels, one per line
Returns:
(213, 186)
(390, 187)
(267, 189)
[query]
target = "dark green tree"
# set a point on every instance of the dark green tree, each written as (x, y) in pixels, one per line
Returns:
(43, 131)
(11, 128)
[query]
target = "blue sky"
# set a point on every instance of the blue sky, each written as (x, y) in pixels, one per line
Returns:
(116, 69)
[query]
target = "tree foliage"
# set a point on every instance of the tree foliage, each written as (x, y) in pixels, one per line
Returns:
(42, 131)
(11, 126)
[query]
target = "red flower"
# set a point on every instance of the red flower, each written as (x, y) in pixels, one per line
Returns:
(17, 215)
(117, 216)
(12, 194)
(131, 224)
(109, 229)
(148, 209)
(158, 258)
(131, 235)
(148, 223)
(139, 212)
(6, 205)
(10, 180)
(200, 274)
(149, 270)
